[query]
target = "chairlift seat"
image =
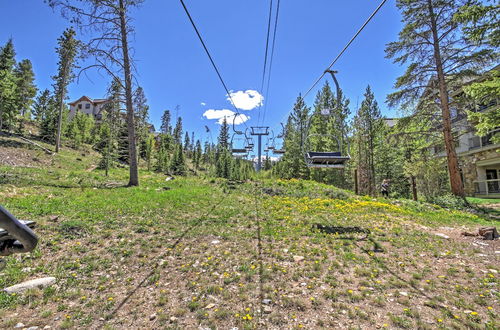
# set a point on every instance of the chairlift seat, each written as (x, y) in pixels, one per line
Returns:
(279, 151)
(239, 151)
(327, 158)
(4, 234)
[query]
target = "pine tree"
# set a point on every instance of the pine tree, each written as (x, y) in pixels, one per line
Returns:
(481, 26)
(7, 85)
(150, 147)
(41, 106)
(25, 90)
(369, 128)
(197, 154)
(141, 120)
(178, 131)
(67, 51)
(165, 123)
(439, 58)
(187, 143)
(163, 153)
(111, 126)
(292, 164)
(178, 166)
(48, 124)
(223, 156)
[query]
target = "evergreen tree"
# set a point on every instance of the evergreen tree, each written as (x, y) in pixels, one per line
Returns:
(141, 120)
(111, 126)
(223, 155)
(163, 153)
(178, 166)
(165, 123)
(25, 90)
(197, 154)
(150, 147)
(481, 26)
(79, 129)
(67, 51)
(369, 127)
(267, 163)
(439, 58)
(7, 86)
(292, 164)
(41, 106)
(178, 131)
(192, 144)
(187, 143)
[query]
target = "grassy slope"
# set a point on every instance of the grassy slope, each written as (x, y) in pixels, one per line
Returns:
(223, 248)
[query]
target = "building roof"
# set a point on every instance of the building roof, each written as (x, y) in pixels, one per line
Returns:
(88, 99)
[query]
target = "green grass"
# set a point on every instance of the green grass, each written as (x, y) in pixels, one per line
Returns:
(480, 201)
(191, 255)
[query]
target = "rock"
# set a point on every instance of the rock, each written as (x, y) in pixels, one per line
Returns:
(169, 178)
(47, 327)
(215, 241)
(298, 258)
(152, 317)
(209, 306)
(267, 310)
(404, 293)
(37, 283)
(19, 325)
(266, 301)
(32, 328)
(442, 235)
(54, 218)
(173, 319)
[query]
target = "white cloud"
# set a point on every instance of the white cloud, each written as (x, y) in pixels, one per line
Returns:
(203, 103)
(228, 114)
(245, 100)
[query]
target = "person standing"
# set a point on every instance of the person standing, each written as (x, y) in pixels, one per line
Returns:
(384, 188)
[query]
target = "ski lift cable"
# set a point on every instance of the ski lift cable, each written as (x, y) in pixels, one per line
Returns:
(266, 53)
(342, 52)
(210, 58)
(271, 59)
(346, 46)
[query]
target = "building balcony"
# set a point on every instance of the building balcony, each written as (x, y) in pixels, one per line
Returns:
(487, 188)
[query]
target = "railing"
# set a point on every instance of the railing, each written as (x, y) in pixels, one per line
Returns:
(487, 187)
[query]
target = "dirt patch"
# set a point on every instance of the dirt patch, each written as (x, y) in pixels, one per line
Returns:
(23, 157)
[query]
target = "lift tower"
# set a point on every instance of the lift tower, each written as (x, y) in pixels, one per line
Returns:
(259, 131)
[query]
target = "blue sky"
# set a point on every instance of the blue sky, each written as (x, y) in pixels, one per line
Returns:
(174, 70)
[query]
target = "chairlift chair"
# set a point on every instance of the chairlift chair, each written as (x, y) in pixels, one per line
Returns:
(327, 159)
(16, 236)
(238, 150)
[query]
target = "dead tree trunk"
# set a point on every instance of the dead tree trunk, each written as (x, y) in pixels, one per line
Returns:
(132, 149)
(59, 120)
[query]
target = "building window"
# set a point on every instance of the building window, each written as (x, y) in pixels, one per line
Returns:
(79, 106)
(87, 106)
(474, 142)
